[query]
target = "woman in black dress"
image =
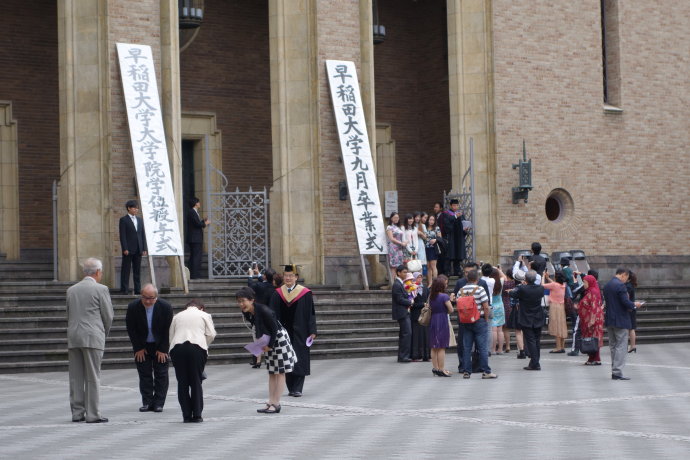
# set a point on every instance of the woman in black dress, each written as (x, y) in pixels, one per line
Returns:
(280, 356)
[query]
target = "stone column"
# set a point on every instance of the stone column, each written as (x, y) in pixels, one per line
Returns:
(172, 114)
(295, 195)
(85, 176)
(9, 183)
(470, 81)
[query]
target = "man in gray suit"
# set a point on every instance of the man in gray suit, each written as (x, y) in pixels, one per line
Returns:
(89, 317)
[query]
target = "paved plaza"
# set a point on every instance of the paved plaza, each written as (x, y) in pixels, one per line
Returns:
(374, 408)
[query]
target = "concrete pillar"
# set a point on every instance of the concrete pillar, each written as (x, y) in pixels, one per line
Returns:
(470, 81)
(96, 163)
(310, 225)
(85, 176)
(171, 106)
(9, 183)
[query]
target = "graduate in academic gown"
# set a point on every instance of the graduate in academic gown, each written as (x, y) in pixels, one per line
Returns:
(453, 233)
(294, 308)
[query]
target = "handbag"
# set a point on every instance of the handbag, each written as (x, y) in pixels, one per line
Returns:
(451, 342)
(414, 265)
(425, 315)
(589, 345)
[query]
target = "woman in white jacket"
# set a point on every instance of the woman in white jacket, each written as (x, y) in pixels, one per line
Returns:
(191, 332)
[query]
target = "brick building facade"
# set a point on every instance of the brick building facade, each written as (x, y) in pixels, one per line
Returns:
(497, 71)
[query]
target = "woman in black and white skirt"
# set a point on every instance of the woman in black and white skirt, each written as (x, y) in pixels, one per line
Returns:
(280, 356)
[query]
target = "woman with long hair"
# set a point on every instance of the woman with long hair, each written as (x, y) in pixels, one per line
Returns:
(591, 312)
(439, 328)
(557, 324)
(433, 233)
(498, 317)
(396, 243)
(410, 231)
(420, 238)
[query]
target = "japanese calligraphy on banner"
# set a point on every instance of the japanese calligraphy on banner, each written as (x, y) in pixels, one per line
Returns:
(359, 167)
(149, 149)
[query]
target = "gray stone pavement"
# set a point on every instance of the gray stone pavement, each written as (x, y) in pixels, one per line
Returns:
(374, 408)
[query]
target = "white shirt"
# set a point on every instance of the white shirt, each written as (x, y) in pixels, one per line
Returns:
(194, 326)
(134, 221)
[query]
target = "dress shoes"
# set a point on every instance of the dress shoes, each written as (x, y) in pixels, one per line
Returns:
(198, 419)
(157, 409)
(573, 353)
(619, 377)
(528, 368)
(291, 393)
(404, 360)
(187, 420)
(98, 420)
(297, 394)
(145, 408)
(80, 419)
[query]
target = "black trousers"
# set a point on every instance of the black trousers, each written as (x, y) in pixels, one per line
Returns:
(452, 267)
(420, 337)
(133, 261)
(532, 337)
(405, 338)
(294, 383)
(153, 378)
(189, 361)
(195, 260)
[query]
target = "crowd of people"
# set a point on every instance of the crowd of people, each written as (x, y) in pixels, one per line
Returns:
(520, 301)
(490, 303)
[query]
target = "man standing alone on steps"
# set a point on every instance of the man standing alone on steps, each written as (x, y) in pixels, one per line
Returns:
(89, 317)
(195, 237)
(148, 325)
(133, 244)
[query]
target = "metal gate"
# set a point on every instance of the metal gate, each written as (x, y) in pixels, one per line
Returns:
(238, 233)
(466, 198)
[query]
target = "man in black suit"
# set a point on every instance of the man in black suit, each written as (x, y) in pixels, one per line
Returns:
(531, 317)
(195, 237)
(148, 324)
(401, 313)
(133, 244)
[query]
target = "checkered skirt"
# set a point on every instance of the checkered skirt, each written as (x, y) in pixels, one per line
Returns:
(282, 358)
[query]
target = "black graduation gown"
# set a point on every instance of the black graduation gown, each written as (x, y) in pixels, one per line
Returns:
(453, 235)
(298, 317)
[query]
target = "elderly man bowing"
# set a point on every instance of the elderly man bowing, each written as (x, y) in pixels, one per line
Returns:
(89, 317)
(148, 325)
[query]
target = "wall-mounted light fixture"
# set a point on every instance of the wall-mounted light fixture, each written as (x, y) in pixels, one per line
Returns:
(524, 168)
(379, 30)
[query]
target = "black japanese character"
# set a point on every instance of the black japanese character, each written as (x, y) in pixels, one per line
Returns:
(341, 69)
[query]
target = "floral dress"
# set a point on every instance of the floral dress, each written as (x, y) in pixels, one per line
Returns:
(395, 251)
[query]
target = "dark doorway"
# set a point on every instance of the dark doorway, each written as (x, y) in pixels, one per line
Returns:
(188, 183)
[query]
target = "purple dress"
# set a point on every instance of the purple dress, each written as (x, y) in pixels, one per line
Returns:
(439, 334)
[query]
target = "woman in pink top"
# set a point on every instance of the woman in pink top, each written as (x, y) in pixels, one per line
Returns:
(557, 325)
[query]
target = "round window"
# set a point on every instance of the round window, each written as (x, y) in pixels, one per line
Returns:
(558, 205)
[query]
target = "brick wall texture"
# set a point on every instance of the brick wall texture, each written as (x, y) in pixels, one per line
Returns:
(225, 70)
(626, 173)
(130, 21)
(29, 79)
(411, 78)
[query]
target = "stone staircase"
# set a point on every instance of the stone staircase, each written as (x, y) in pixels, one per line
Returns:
(351, 323)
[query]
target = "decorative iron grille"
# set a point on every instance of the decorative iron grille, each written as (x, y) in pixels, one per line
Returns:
(238, 234)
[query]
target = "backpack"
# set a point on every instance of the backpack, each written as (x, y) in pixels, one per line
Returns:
(468, 312)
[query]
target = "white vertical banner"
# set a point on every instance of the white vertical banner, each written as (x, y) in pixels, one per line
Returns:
(359, 166)
(149, 150)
